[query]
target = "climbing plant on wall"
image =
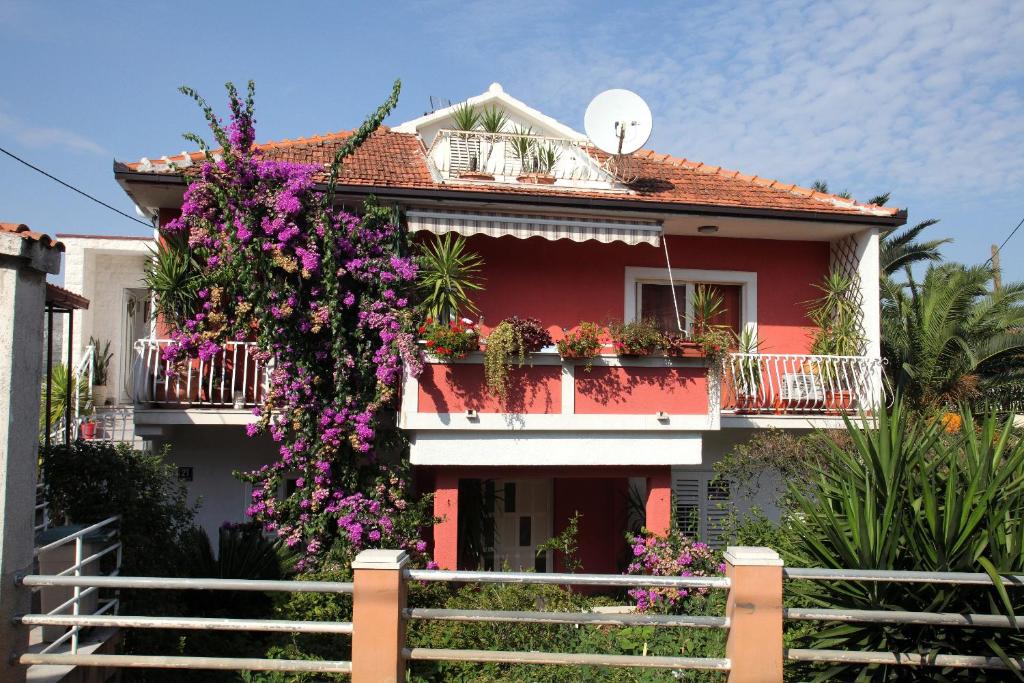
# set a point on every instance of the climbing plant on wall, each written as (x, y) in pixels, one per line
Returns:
(325, 295)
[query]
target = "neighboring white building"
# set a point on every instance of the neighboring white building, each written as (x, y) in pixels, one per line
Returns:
(108, 270)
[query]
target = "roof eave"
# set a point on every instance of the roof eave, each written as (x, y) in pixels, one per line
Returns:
(124, 175)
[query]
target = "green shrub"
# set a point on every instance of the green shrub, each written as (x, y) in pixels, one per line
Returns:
(906, 495)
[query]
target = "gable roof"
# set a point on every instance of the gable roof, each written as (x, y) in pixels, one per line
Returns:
(495, 94)
(393, 159)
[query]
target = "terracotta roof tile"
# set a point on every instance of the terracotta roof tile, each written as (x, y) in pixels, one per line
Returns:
(399, 160)
(26, 234)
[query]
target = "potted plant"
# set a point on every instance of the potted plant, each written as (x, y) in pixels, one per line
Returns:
(87, 426)
(466, 118)
(507, 344)
(448, 275)
(839, 319)
(541, 162)
(747, 371)
(100, 370)
(637, 338)
(680, 345)
(493, 121)
(582, 343)
(450, 340)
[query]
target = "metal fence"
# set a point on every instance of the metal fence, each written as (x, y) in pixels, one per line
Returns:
(753, 620)
(78, 569)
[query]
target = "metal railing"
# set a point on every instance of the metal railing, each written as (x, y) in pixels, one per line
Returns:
(896, 617)
(41, 517)
(787, 384)
(98, 619)
(76, 620)
(232, 378)
(515, 157)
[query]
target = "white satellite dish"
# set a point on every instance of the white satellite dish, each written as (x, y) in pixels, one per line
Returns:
(618, 121)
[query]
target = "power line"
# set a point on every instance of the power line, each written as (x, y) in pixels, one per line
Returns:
(1008, 237)
(72, 187)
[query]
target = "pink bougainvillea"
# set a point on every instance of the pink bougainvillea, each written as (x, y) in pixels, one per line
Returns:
(671, 555)
(325, 295)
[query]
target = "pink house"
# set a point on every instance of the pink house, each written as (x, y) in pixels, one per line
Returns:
(630, 440)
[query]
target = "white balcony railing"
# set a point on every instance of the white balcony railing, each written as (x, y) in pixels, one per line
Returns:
(518, 158)
(232, 378)
(784, 384)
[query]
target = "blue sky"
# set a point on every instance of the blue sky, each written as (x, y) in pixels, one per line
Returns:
(923, 99)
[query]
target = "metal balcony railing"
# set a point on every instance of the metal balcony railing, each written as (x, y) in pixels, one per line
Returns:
(518, 158)
(794, 384)
(232, 378)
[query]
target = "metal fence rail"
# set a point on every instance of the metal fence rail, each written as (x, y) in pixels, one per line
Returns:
(578, 619)
(954, 661)
(92, 583)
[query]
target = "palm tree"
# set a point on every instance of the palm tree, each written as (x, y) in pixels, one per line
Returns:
(951, 338)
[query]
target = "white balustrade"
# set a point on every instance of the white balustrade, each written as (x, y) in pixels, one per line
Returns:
(233, 378)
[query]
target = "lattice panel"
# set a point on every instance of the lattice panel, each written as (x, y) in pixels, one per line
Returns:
(843, 259)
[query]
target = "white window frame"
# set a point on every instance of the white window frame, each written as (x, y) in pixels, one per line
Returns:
(690, 277)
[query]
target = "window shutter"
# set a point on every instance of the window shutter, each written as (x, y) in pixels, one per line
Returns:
(702, 505)
(719, 494)
(688, 505)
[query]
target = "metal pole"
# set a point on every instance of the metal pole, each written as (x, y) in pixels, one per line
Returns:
(72, 389)
(49, 372)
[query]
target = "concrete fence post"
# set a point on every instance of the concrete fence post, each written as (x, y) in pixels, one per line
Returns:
(378, 628)
(754, 610)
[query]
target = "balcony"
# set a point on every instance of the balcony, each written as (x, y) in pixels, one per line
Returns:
(551, 394)
(525, 159)
(793, 384)
(221, 390)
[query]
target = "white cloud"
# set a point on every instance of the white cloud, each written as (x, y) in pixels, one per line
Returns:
(42, 136)
(881, 95)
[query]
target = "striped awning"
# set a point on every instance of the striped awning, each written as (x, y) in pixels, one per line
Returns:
(528, 225)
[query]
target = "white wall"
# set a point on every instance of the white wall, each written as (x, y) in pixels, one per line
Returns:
(214, 453)
(100, 270)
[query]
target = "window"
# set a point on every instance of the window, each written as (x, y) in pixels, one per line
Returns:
(649, 295)
(654, 301)
(702, 504)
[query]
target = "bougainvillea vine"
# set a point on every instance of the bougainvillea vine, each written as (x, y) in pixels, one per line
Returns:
(325, 296)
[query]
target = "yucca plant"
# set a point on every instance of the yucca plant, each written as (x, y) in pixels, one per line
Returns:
(174, 277)
(908, 495)
(547, 156)
(523, 146)
(65, 389)
(837, 316)
(493, 119)
(465, 117)
(448, 275)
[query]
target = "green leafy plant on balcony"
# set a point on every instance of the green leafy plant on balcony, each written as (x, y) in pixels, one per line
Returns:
(636, 338)
(838, 317)
(583, 342)
(507, 346)
(450, 340)
(449, 274)
(174, 277)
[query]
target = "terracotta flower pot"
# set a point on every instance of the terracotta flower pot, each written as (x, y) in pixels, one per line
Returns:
(475, 175)
(838, 402)
(536, 179)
